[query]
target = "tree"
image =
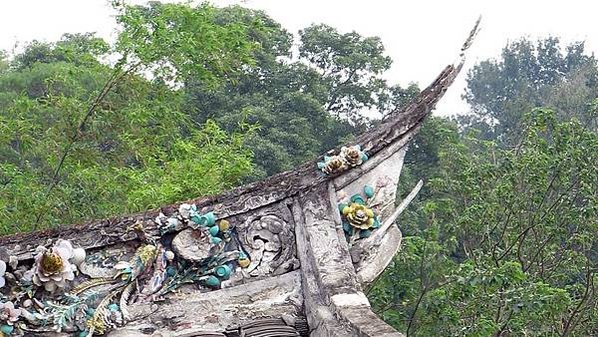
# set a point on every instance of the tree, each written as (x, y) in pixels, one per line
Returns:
(350, 66)
(72, 48)
(526, 76)
(502, 243)
(294, 101)
(81, 139)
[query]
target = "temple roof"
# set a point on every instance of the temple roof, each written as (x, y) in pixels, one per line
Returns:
(285, 256)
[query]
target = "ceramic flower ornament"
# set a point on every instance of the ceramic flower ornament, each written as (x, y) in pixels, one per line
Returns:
(348, 157)
(352, 155)
(53, 268)
(8, 314)
(332, 165)
(359, 214)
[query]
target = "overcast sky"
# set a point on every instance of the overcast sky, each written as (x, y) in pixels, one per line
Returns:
(421, 36)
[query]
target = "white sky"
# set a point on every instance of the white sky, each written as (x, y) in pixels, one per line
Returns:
(421, 36)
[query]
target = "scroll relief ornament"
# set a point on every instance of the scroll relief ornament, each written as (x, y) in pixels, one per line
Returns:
(271, 242)
(56, 293)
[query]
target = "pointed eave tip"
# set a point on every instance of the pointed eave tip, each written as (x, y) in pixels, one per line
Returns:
(472, 34)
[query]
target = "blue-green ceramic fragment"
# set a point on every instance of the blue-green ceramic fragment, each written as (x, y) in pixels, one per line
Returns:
(376, 223)
(364, 156)
(196, 218)
(213, 281)
(214, 230)
(113, 307)
(321, 165)
(357, 199)
(347, 228)
(223, 271)
(6, 329)
(216, 240)
(365, 233)
(368, 190)
(210, 218)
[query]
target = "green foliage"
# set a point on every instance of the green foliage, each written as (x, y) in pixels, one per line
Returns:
(80, 139)
(503, 241)
(77, 49)
(527, 76)
(350, 66)
(300, 104)
(138, 152)
(177, 41)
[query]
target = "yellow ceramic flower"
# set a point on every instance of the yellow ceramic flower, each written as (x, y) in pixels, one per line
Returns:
(51, 263)
(334, 165)
(53, 268)
(359, 216)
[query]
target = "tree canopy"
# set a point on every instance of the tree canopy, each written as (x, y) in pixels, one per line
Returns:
(529, 75)
(502, 239)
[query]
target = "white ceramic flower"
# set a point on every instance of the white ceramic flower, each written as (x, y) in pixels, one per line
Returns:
(53, 268)
(2, 272)
(8, 313)
(185, 210)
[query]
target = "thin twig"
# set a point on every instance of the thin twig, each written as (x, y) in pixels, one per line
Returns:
(115, 77)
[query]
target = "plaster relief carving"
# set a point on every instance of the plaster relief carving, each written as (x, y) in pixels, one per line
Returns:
(270, 242)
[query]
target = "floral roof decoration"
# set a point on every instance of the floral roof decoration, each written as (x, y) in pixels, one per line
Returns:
(55, 267)
(348, 157)
(67, 290)
(360, 213)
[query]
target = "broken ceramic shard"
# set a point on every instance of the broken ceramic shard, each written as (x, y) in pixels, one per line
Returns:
(2, 272)
(192, 245)
(78, 256)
